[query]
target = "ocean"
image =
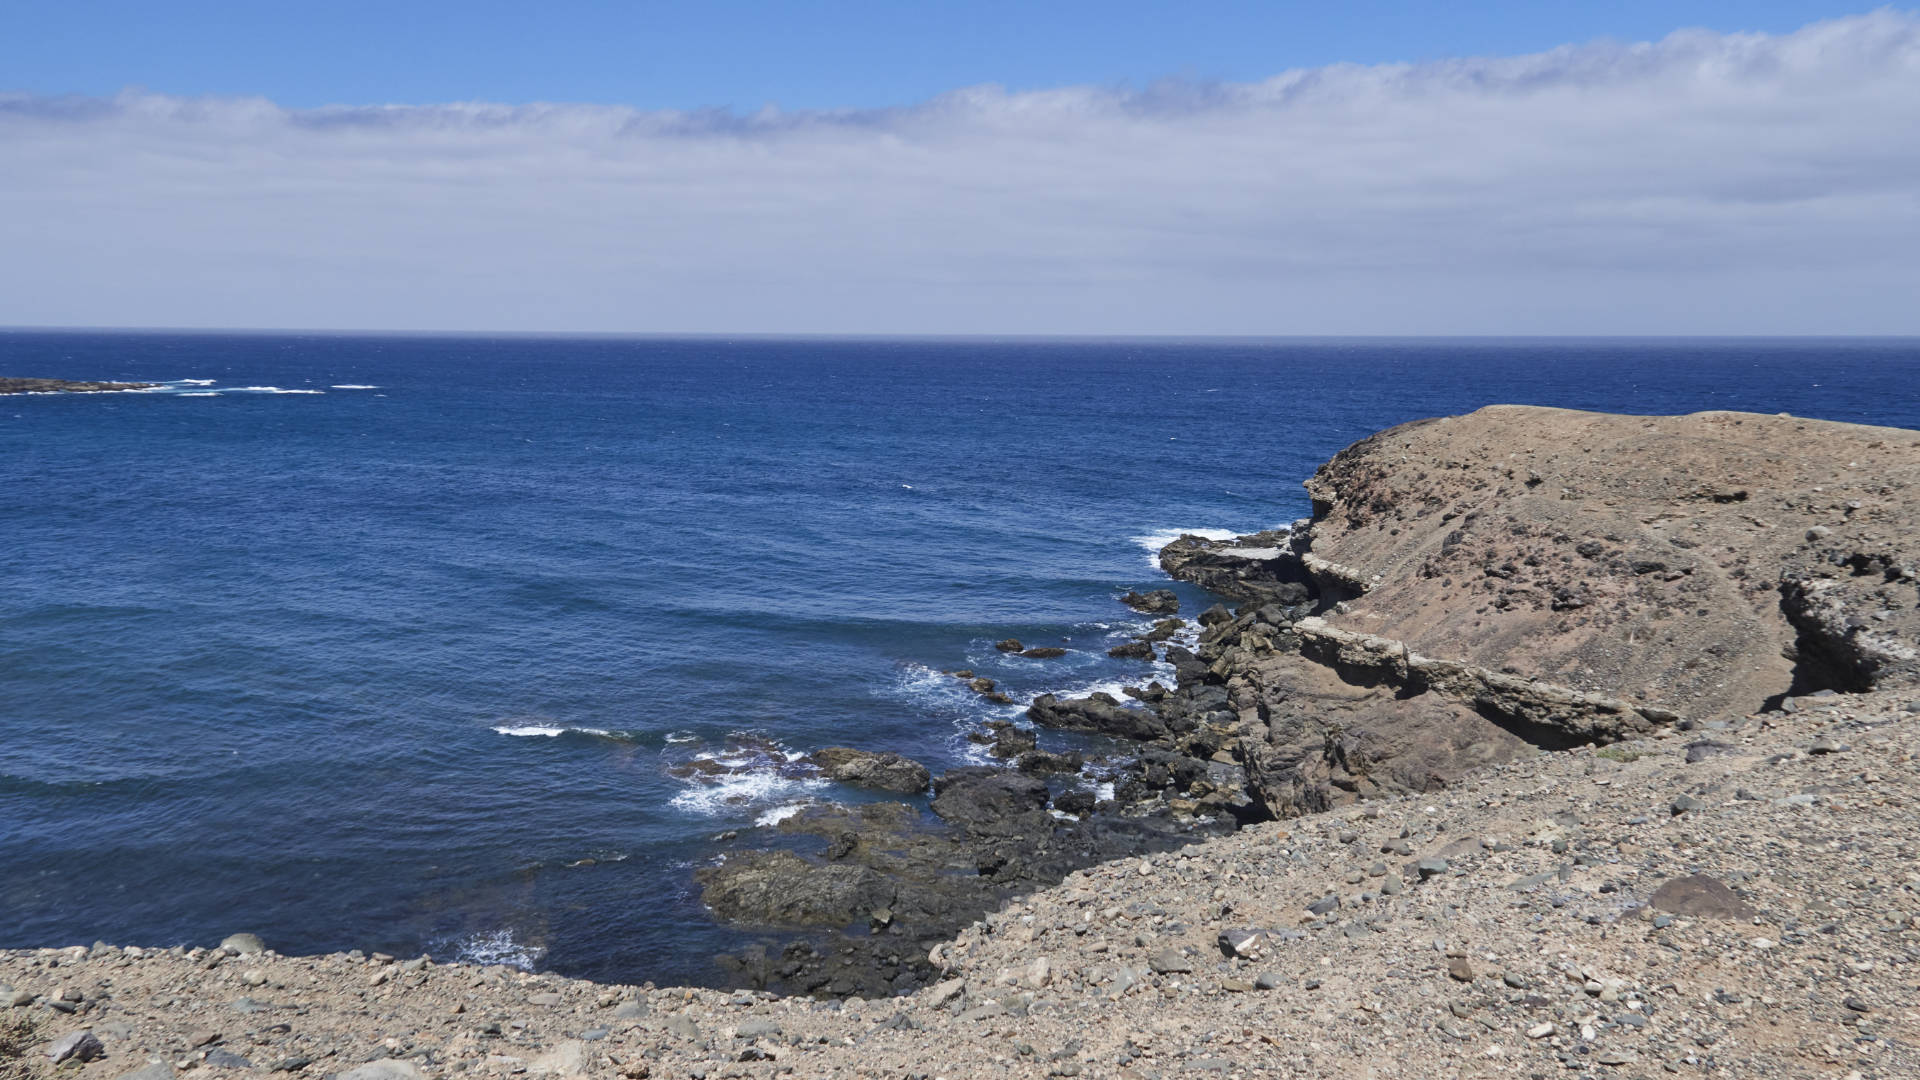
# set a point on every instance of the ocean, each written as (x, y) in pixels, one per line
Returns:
(418, 643)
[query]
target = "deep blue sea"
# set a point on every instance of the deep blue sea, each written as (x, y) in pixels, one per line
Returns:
(363, 642)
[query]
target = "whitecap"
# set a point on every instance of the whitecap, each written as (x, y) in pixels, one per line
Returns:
(273, 390)
(495, 947)
(200, 393)
(682, 737)
(352, 386)
(781, 813)
(549, 732)
(193, 382)
(751, 771)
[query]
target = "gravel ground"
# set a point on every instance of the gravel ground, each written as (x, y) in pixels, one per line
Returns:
(1515, 924)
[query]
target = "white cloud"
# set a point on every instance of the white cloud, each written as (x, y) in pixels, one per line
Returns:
(1703, 183)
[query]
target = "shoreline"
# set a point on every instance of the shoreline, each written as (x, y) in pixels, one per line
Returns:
(1554, 739)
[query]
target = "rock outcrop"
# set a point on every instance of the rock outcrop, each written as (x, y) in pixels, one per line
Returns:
(64, 386)
(1489, 585)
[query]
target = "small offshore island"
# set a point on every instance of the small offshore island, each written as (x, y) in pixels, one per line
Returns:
(1555, 743)
(64, 386)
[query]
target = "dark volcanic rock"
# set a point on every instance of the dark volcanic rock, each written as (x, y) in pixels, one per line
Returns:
(887, 772)
(1099, 713)
(1043, 653)
(63, 386)
(1132, 650)
(1009, 645)
(779, 888)
(1261, 568)
(1157, 602)
(983, 800)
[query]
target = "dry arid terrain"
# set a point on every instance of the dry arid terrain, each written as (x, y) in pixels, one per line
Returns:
(1587, 744)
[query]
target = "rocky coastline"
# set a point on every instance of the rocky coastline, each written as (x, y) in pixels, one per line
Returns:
(64, 386)
(1552, 740)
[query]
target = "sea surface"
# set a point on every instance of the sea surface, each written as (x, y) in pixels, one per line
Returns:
(406, 643)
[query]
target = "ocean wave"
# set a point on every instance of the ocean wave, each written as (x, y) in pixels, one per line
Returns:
(494, 947)
(543, 730)
(189, 382)
(751, 771)
(199, 393)
(352, 386)
(272, 390)
(781, 813)
(1160, 538)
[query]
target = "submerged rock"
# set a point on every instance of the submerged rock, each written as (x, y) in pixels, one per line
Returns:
(1157, 602)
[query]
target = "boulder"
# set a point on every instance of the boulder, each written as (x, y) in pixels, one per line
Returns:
(1047, 652)
(1009, 645)
(1157, 602)
(1132, 650)
(1699, 896)
(867, 768)
(1098, 713)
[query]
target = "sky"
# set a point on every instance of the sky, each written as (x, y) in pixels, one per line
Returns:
(996, 168)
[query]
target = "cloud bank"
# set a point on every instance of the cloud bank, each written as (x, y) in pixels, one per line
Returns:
(1705, 183)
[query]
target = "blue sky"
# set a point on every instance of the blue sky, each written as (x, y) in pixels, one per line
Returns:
(743, 54)
(1112, 168)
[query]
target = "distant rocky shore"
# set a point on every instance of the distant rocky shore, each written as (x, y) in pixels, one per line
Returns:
(1660, 672)
(64, 386)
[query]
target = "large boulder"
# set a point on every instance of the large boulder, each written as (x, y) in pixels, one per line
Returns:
(1157, 602)
(1099, 713)
(867, 768)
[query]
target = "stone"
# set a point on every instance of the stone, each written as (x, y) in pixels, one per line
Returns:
(1704, 749)
(1430, 867)
(1540, 1031)
(683, 1027)
(567, 1058)
(1157, 602)
(1324, 905)
(1048, 652)
(1132, 650)
(1009, 645)
(866, 768)
(1685, 803)
(1699, 896)
(1459, 969)
(243, 945)
(632, 1010)
(226, 1059)
(390, 1069)
(756, 1027)
(78, 1045)
(1170, 962)
(1826, 744)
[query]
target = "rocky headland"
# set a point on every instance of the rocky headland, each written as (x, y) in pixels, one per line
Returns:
(64, 386)
(1554, 743)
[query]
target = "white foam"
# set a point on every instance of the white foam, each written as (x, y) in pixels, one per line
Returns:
(781, 813)
(200, 393)
(682, 737)
(750, 772)
(193, 382)
(733, 792)
(1103, 791)
(273, 390)
(530, 730)
(549, 732)
(496, 947)
(352, 386)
